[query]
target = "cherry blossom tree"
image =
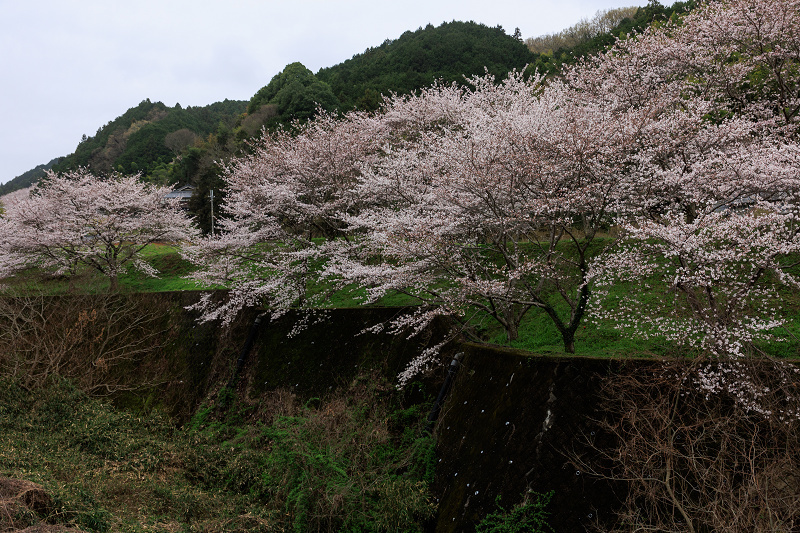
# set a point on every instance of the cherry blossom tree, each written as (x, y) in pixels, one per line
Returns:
(491, 203)
(285, 197)
(12, 198)
(76, 220)
(719, 211)
(748, 53)
(717, 234)
(742, 55)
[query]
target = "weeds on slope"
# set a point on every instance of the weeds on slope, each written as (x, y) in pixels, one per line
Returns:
(353, 462)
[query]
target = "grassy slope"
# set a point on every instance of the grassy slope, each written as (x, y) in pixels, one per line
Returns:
(356, 461)
(163, 257)
(537, 333)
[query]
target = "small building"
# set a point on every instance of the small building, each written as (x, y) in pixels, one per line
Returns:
(182, 193)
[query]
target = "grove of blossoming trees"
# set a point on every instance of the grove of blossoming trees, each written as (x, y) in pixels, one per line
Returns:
(673, 156)
(719, 204)
(77, 220)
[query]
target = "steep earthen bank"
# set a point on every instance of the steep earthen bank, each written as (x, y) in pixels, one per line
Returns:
(512, 421)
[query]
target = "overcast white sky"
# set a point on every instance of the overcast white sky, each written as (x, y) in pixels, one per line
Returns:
(67, 67)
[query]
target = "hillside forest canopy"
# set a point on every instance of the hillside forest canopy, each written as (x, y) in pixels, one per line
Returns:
(137, 141)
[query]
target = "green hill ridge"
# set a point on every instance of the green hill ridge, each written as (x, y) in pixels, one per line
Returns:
(170, 145)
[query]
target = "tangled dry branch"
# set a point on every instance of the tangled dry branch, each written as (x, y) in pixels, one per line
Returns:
(90, 339)
(694, 461)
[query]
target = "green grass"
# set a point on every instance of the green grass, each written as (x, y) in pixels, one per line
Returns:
(600, 338)
(539, 335)
(166, 259)
(537, 332)
(172, 268)
(356, 461)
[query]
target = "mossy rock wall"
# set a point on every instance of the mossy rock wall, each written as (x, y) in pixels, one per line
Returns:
(330, 351)
(515, 422)
(196, 360)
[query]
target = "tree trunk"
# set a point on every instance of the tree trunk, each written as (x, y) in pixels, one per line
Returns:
(512, 332)
(569, 341)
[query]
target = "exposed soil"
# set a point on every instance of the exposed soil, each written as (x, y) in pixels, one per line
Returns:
(25, 507)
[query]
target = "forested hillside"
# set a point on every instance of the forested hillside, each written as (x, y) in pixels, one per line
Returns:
(137, 140)
(170, 145)
(416, 59)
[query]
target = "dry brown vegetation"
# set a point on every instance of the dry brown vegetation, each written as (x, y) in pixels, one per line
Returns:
(88, 339)
(697, 462)
(586, 29)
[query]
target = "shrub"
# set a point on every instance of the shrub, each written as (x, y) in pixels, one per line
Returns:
(529, 516)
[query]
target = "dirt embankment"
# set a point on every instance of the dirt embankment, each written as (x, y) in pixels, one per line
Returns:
(25, 507)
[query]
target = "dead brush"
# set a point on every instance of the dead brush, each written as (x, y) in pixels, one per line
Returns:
(89, 339)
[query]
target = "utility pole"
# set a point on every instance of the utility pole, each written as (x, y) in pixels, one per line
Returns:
(212, 212)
